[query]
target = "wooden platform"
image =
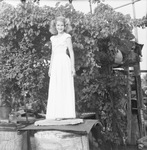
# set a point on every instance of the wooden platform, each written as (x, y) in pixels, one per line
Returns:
(9, 137)
(81, 134)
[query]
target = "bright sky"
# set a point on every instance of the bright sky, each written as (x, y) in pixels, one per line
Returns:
(83, 5)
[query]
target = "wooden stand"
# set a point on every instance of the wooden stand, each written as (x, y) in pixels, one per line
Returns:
(9, 138)
(60, 137)
(59, 140)
(135, 128)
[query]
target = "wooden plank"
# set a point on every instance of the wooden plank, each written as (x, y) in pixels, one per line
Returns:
(10, 140)
(129, 111)
(139, 97)
(49, 140)
(139, 105)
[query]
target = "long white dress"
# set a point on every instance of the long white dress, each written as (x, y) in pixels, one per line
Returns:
(61, 95)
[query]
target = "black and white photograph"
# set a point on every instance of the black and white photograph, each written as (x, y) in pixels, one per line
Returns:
(73, 74)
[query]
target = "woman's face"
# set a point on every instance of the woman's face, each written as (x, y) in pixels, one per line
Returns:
(60, 26)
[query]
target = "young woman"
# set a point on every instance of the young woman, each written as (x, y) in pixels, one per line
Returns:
(61, 96)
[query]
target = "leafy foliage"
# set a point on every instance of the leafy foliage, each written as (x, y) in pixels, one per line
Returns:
(96, 39)
(24, 59)
(142, 22)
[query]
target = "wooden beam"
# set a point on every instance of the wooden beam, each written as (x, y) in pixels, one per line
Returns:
(141, 71)
(127, 4)
(129, 110)
(139, 94)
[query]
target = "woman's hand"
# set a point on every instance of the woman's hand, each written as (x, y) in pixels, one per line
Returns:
(49, 72)
(73, 72)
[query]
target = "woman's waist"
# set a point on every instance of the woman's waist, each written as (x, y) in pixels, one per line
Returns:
(59, 53)
(60, 57)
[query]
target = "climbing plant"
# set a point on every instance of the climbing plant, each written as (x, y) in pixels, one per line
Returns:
(25, 53)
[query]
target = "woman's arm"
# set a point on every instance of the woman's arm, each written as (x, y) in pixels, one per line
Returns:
(50, 66)
(71, 53)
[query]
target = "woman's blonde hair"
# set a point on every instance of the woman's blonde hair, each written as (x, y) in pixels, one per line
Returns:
(66, 22)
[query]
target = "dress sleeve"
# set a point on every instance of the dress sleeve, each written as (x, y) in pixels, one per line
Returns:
(68, 36)
(51, 38)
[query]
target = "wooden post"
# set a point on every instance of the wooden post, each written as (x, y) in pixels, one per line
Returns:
(90, 4)
(27, 121)
(129, 111)
(138, 82)
(139, 96)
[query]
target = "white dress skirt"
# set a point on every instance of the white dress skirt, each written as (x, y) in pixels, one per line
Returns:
(61, 95)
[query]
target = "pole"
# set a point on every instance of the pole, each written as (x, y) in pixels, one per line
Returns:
(90, 5)
(129, 110)
(138, 82)
(127, 4)
(134, 16)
